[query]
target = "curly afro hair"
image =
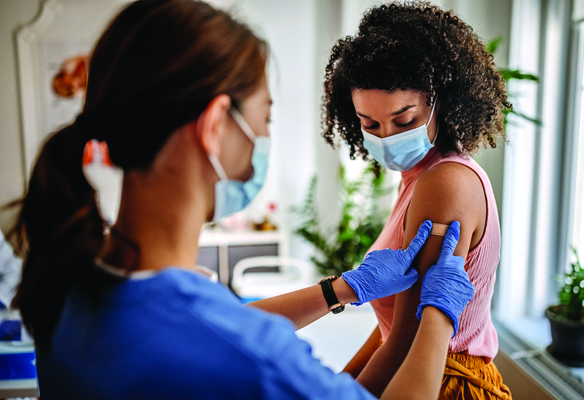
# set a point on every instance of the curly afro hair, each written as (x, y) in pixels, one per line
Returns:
(417, 46)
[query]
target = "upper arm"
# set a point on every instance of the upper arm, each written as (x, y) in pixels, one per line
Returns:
(445, 193)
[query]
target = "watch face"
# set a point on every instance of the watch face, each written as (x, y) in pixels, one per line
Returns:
(328, 278)
(338, 309)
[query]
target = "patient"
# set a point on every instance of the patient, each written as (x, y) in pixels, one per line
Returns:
(416, 91)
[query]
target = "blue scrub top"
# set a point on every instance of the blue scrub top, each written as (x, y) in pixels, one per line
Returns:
(177, 335)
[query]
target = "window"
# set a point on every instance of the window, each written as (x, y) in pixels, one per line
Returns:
(578, 133)
(543, 200)
(532, 228)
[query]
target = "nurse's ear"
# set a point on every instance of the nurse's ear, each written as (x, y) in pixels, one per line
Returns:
(212, 124)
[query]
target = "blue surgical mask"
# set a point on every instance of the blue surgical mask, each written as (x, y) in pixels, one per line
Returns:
(232, 196)
(402, 151)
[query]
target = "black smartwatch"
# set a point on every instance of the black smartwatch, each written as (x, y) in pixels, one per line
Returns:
(329, 295)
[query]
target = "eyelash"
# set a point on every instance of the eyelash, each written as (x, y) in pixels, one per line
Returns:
(376, 125)
(406, 124)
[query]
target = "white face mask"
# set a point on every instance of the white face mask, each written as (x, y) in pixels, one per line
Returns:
(402, 151)
(232, 196)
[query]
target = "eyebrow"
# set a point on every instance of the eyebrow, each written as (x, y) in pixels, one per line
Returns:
(398, 112)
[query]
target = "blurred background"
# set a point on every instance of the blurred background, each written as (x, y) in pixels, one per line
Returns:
(314, 191)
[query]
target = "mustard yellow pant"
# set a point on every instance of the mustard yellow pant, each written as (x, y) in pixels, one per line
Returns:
(470, 377)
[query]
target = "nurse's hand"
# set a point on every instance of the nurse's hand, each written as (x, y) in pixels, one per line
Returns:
(446, 285)
(387, 272)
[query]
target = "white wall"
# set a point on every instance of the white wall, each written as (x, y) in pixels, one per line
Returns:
(489, 19)
(300, 34)
(12, 12)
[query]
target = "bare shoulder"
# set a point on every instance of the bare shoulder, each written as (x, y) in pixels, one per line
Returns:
(445, 193)
(450, 178)
(449, 188)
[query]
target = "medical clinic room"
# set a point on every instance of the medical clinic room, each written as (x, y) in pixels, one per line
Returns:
(292, 199)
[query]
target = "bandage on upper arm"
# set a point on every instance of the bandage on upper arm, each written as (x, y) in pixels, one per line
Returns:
(439, 229)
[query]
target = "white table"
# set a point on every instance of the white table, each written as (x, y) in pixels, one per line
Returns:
(336, 338)
(14, 388)
(18, 388)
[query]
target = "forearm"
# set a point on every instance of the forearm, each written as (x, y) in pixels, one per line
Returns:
(386, 361)
(305, 306)
(360, 360)
(420, 375)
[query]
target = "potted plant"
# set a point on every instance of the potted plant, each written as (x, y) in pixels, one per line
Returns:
(567, 318)
(340, 247)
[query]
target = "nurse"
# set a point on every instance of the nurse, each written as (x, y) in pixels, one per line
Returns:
(178, 91)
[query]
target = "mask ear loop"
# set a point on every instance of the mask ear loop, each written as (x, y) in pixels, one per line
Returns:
(218, 167)
(432, 112)
(430, 119)
(436, 134)
(243, 125)
(248, 132)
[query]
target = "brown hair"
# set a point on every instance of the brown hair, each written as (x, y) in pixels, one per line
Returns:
(155, 68)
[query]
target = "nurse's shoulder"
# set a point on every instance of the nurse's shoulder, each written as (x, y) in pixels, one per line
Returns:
(212, 304)
(173, 329)
(257, 346)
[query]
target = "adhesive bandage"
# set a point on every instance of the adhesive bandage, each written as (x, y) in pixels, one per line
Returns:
(439, 229)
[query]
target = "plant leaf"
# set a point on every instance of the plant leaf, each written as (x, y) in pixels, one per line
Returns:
(339, 248)
(493, 44)
(509, 74)
(523, 116)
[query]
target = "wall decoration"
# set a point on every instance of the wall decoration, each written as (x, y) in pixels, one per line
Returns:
(52, 52)
(64, 81)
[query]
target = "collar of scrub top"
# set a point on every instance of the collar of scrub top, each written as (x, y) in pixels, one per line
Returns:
(123, 273)
(137, 275)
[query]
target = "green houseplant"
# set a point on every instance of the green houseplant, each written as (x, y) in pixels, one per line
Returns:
(509, 75)
(340, 247)
(567, 317)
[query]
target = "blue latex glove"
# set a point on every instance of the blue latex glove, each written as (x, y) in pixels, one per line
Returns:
(387, 272)
(446, 285)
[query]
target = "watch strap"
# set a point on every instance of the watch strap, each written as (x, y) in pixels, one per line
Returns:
(329, 295)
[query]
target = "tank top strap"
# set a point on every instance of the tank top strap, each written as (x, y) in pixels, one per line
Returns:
(492, 229)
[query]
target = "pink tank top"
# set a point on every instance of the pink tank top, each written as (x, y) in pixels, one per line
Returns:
(476, 334)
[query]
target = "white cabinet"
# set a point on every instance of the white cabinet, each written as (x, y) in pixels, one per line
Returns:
(221, 250)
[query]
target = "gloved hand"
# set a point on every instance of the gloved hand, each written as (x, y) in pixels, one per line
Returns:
(446, 285)
(385, 272)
